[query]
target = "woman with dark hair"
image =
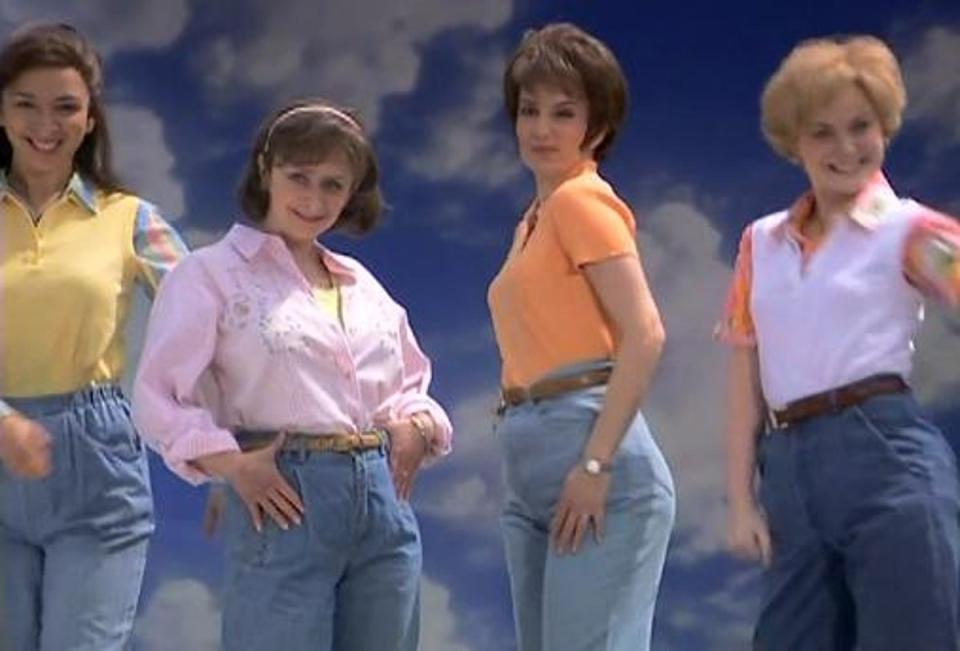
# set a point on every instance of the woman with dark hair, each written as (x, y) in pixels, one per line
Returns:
(72, 245)
(590, 499)
(286, 370)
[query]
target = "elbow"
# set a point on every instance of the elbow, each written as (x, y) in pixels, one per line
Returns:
(654, 338)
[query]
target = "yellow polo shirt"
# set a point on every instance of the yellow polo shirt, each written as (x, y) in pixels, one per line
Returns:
(545, 313)
(66, 282)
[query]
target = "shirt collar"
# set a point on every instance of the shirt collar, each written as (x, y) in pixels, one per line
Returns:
(78, 189)
(869, 208)
(250, 241)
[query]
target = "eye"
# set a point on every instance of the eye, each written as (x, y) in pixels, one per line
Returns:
(334, 186)
(565, 113)
(67, 108)
(298, 177)
(23, 103)
(527, 110)
(820, 134)
(861, 125)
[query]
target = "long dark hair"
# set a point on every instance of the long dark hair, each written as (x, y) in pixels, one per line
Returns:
(56, 45)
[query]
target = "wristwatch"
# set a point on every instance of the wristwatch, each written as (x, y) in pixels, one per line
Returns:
(6, 410)
(595, 467)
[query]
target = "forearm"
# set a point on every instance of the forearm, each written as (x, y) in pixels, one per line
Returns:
(636, 360)
(744, 419)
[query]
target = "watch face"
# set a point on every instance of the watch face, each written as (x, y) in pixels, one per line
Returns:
(592, 466)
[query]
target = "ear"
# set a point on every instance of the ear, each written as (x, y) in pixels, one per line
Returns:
(91, 123)
(592, 144)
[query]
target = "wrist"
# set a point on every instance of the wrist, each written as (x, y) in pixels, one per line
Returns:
(595, 466)
(423, 427)
(220, 465)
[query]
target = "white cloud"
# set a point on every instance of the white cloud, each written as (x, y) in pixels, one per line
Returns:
(933, 80)
(111, 24)
(439, 623)
(467, 142)
(470, 493)
(181, 614)
(354, 51)
(144, 159)
(679, 246)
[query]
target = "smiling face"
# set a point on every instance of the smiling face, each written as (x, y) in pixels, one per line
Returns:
(841, 145)
(306, 199)
(551, 128)
(46, 115)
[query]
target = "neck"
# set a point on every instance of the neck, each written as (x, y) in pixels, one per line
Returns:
(831, 207)
(38, 189)
(546, 184)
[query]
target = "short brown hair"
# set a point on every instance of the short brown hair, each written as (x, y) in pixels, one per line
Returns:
(305, 132)
(57, 45)
(564, 54)
(815, 71)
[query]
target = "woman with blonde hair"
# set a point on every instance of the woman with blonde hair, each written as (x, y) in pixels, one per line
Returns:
(857, 508)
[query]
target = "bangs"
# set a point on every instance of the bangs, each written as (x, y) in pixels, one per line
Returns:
(543, 66)
(306, 140)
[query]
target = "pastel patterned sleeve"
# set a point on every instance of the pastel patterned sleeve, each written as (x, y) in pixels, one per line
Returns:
(737, 327)
(156, 245)
(931, 256)
(413, 396)
(168, 406)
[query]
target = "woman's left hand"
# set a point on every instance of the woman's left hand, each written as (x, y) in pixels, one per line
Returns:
(407, 452)
(582, 505)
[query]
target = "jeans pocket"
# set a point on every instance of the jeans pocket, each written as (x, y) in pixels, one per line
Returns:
(910, 443)
(109, 427)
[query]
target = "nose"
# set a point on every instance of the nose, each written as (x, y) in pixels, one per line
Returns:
(541, 125)
(847, 143)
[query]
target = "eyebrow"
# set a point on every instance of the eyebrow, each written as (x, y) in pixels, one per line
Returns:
(59, 98)
(569, 101)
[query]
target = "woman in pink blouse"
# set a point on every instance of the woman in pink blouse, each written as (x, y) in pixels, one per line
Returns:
(287, 371)
(857, 506)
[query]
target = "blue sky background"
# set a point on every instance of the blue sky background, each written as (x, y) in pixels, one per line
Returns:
(189, 81)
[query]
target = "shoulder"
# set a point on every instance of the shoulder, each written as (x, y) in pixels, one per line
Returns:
(588, 198)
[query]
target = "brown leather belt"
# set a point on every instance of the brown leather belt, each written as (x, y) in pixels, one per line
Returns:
(296, 441)
(552, 387)
(836, 399)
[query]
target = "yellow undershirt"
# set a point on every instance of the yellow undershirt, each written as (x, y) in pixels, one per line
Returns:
(329, 300)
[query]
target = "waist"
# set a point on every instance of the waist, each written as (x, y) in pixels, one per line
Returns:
(836, 399)
(553, 386)
(56, 403)
(338, 442)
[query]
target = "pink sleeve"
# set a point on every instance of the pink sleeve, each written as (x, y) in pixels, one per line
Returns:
(181, 339)
(414, 397)
(931, 256)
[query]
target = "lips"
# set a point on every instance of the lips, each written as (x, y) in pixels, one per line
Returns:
(45, 145)
(309, 219)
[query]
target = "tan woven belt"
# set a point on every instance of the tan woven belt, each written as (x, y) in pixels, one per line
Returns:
(338, 442)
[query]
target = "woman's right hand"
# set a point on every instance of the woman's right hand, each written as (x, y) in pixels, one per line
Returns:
(748, 535)
(257, 480)
(24, 447)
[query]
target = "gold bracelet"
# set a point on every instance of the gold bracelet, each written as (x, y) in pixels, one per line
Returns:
(417, 420)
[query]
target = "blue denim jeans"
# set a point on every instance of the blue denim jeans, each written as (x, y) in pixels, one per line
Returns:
(348, 577)
(602, 597)
(73, 545)
(863, 507)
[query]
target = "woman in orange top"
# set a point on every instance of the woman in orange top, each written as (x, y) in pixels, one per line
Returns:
(590, 500)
